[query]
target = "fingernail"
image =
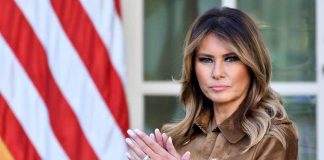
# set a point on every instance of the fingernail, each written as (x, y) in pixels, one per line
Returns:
(137, 131)
(130, 132)
(152, 137)
(129, 156)
(129, 141)
(157, 130)
(170, 140)
(188, 153)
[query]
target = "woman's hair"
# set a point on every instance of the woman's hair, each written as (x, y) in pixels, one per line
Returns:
(262, 104)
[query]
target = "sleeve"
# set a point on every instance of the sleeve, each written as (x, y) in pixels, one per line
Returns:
(271, 148)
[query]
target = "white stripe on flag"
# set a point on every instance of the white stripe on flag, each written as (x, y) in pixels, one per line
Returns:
(74, 81)
(109, 27)
(27, 105)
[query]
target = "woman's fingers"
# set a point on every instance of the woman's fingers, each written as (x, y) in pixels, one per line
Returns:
(147, 145)
(153, 145)
(170, 148)
(158, 137)
(129, 156)
(135, 149)
(186, 156)
(142, 145)
(152, 137)
(164, 139)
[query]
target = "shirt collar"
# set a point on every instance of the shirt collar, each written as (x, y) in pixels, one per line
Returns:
(231, 128)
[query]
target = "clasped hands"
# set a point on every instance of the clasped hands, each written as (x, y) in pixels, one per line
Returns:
(156, 146)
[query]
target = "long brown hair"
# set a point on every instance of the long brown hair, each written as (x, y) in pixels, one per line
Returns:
(243, 36)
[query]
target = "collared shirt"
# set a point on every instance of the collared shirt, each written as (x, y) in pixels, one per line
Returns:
(228, 141)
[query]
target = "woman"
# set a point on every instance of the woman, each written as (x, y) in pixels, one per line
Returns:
(231, 110)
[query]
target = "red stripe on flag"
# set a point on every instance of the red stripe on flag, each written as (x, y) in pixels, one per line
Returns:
(29, 51)
(95, 56)
(14, 136)
(118, 8)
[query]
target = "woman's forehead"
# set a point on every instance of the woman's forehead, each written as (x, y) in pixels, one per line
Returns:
(212, 40)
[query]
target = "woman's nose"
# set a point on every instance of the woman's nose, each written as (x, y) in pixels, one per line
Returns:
(217, 70)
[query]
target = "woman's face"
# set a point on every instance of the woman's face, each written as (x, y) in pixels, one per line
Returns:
(222, 77)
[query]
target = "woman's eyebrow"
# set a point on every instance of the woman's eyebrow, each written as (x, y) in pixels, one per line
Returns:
(230, 54)
(209, 55)
(204, 54)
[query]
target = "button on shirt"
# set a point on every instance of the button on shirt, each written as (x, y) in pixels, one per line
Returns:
(228, 141)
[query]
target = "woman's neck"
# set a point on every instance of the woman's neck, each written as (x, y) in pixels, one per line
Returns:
(223, 111)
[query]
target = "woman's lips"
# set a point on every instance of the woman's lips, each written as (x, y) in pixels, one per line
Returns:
(218, 88)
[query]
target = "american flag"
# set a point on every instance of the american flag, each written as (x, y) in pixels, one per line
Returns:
(62, 76)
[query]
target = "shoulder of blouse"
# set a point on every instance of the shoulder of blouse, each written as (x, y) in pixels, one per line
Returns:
(270, 146)
(286, 127)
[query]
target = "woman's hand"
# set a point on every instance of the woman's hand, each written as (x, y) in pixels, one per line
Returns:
(160, 138)
(155, 147)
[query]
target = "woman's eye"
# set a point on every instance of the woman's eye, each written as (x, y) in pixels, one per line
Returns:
(231, 58)
(205, 60)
